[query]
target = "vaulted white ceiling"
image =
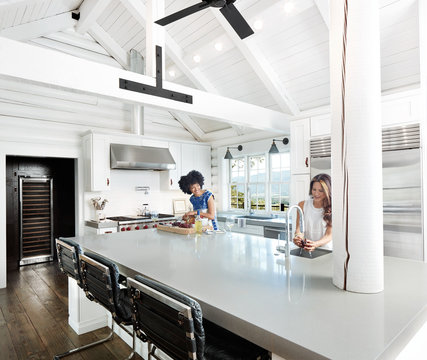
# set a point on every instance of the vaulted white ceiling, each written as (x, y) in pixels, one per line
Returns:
(284, 66)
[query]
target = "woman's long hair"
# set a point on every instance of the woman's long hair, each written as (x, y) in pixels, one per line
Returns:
(325, 181)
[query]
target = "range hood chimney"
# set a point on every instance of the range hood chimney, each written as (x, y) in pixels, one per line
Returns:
(133, 157)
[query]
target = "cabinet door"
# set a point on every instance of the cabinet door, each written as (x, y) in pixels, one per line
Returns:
(203, 163)
(175, 175)
(300, 185)
(300, 146)
(97, 162)
(100, 163)
(188, 157)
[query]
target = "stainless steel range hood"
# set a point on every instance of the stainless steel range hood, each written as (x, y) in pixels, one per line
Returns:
(133, 157)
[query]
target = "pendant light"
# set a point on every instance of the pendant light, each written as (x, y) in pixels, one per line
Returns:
(228, 155)
(274, 149)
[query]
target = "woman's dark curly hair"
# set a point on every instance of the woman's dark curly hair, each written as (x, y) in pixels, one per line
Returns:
(193, 177)
(325, 182)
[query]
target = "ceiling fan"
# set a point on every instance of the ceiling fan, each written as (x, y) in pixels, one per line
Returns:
(227, 9)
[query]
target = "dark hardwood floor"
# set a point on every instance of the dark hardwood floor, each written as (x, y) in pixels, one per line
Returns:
(34, 319)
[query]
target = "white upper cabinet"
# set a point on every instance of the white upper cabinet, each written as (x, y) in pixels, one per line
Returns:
(300, 185)
(300, 146)
(169, 179)
(320, 125)
(203, 163)
(187, 157)
(96, 152)
(197, 157)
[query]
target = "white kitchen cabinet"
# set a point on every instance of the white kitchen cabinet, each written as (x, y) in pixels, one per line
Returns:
(99, 231)
(300, 146)
(320, 126)
(300, 185)
(202, 163)
(96, 153)
(187, 157)
(169, 179)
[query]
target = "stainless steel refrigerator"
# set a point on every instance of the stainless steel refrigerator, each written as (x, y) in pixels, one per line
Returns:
(402, 187)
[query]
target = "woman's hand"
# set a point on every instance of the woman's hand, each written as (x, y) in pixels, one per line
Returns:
(310, 245)
(298, 239)
(187, 215)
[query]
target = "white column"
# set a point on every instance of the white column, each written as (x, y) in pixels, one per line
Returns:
(155, 35)
(356, 146)
(422, 10)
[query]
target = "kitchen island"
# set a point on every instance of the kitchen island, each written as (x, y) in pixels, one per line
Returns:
(288, 306)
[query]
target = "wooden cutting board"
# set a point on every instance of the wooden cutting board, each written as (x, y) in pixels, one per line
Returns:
(178, 230)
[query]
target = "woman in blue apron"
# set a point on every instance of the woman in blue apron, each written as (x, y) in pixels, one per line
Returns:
(201, 199)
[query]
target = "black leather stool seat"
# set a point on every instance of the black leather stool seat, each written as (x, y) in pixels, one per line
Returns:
(93, 282)
(169, 326)
(68, 258)
(100, 280)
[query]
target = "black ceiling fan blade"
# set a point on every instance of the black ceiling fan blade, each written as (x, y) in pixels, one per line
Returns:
(236, 20)
(182, 13)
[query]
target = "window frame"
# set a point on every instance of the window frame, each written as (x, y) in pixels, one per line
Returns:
(267, 184)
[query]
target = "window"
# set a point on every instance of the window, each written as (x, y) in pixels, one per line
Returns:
(237, 183)
(260, 182)
(280, 176)
(257, 180)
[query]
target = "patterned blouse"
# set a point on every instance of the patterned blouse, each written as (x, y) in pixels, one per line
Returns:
(201, 203)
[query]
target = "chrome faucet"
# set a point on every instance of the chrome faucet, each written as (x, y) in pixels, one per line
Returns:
(301, 215)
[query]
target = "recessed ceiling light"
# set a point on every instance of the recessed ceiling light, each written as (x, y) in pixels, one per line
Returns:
(258, 24)
(289, 7)
(172, 73)
(197, 58)
(219, 46)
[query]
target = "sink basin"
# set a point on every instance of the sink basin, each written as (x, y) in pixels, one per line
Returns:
(310, 255)
(255, 217)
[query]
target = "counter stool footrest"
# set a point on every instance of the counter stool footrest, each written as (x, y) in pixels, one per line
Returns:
(98, 342)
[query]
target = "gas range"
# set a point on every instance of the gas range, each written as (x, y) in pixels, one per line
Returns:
(132, 223)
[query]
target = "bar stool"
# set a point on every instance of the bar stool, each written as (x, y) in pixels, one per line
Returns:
(68, 258)
(173, 322)
(100, 281)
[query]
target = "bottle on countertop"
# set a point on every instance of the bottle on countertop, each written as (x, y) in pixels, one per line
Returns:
(145, 210)
(198, 223)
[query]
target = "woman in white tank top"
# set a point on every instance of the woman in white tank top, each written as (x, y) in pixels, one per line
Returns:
(317, 216)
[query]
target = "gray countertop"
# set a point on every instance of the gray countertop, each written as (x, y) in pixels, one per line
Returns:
(289, 306)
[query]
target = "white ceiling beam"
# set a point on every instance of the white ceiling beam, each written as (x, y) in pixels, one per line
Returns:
(175, 52)
(219, 135)
(261, 67)
(90, 11)
(110, 45)
(243, 139)
(139, 11)
(323, 6)
(188, 123)
(154, 36)
(29, 63)
(39, 28)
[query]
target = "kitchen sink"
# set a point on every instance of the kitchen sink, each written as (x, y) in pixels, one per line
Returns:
(255, 217)
(310, 255)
